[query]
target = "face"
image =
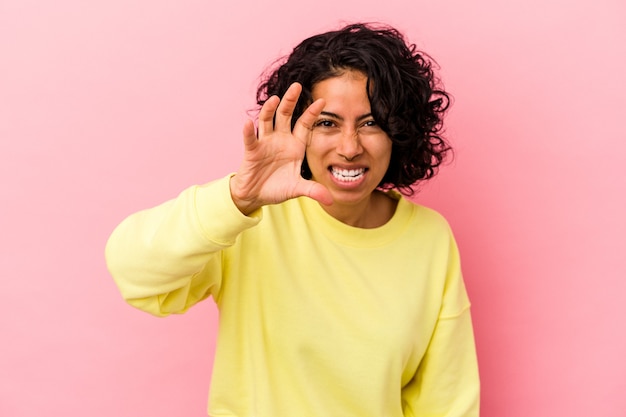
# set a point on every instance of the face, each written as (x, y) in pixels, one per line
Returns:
(348, 153)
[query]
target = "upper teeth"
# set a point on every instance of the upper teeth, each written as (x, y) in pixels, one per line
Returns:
(347, 174)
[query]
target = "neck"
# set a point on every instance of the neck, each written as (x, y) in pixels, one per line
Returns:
(377, 210)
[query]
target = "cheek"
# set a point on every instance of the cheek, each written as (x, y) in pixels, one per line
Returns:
(382, 150)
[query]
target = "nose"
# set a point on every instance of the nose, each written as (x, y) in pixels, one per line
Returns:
(349, 145)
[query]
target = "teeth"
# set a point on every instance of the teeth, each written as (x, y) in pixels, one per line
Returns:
(347, 174)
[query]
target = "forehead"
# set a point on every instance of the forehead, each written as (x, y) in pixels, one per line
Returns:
(349, 87)
(348, 73)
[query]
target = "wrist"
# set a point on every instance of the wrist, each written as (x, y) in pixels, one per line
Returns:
(245, 205)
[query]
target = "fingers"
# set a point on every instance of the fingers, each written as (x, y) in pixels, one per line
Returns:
(276, 114)
(286, 107)
(307, 120)
(266, 116)
(282, 109)
(249, 134)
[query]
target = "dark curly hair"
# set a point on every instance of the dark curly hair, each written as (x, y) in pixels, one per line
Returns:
(406, 98)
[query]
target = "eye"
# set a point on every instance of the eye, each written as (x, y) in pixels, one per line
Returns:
(324, 123)
(369, 126)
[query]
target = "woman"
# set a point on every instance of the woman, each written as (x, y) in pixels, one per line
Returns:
(337, 296)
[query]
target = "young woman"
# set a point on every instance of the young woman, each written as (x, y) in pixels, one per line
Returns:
(337, 296)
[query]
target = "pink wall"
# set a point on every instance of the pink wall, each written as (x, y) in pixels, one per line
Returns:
(109, 107)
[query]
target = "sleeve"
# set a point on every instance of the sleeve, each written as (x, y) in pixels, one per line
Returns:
(447, 383)
(167, 258)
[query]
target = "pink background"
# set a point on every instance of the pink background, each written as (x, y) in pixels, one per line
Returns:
(110, 107)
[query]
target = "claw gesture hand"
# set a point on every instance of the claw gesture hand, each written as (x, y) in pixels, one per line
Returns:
(270, 170)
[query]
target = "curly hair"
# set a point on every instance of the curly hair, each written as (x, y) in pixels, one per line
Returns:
(406, 98)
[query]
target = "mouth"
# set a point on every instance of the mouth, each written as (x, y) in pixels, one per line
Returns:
(347, 175)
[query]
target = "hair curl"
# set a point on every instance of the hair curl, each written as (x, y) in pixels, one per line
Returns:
(406, 98)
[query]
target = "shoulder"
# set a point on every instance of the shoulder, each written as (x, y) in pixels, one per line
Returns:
(420, 214)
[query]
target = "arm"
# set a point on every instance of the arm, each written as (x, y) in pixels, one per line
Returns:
(167, 258)
(447, 383)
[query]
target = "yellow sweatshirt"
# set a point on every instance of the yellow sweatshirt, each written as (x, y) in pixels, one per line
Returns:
(317, 318)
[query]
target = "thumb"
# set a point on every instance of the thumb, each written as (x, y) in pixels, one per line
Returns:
(317, 192)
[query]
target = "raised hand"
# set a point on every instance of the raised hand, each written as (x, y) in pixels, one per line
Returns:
(270, 170)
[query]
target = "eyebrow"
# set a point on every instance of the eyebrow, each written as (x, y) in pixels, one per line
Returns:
(336, 116)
